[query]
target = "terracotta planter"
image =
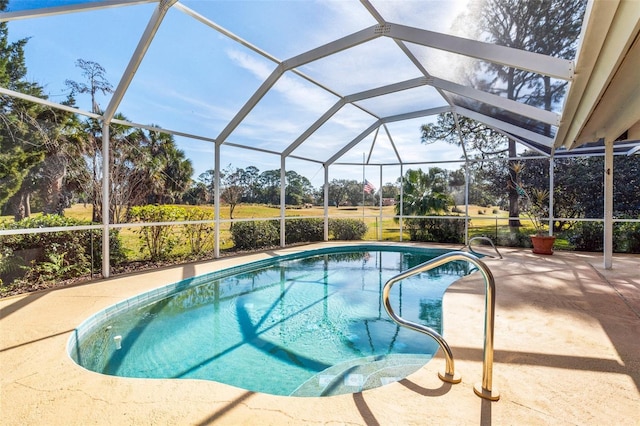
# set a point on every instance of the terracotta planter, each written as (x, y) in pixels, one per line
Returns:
(543, 244)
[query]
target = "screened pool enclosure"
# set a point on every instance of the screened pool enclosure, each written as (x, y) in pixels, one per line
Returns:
(332, 90)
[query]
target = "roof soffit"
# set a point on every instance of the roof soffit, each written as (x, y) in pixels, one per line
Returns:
(609, 30)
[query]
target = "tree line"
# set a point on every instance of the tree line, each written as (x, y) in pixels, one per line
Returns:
(51, 158)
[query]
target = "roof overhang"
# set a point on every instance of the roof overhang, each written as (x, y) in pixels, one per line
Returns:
(604, 98)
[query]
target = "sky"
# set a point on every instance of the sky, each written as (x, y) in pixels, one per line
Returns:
(194, 79)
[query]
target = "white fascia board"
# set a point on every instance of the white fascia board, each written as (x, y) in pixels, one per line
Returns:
(596, 23)
(61, 10)
(516, 58)
(141, 49)
(609, 30)
(353, 143)
(48, 103)
(525, 110)
(335, 46)
(506, 127)
(619, 107)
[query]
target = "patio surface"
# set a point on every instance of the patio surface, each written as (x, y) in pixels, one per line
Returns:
(567, 351)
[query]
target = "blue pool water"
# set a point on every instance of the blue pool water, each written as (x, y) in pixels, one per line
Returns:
(306, 326)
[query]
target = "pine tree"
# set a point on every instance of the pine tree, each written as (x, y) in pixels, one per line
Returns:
(20, 127)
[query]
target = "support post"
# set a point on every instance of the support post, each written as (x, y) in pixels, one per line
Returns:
(106, 264)
(326, 202)
(466, 182)
(608, 204)
(401, 198)
(380, 232)
(466, 203)
(552, 163)
(283, 199)
(364, 182)
(216, 201)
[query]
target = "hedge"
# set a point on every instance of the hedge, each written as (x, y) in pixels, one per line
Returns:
(261, 234)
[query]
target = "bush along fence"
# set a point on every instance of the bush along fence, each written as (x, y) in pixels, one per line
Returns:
(262, 234)
(32, 260)
(40, 260)
(571, 235)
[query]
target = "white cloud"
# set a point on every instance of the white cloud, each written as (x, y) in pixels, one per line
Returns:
(293, 89)
(246, 61)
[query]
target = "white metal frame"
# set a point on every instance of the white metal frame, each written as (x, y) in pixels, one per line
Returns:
(606, 47)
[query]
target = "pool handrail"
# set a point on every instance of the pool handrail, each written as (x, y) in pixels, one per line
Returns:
(468, 245)
(484, 389)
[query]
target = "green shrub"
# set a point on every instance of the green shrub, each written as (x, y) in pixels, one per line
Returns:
(436, 230)
(304, 230)
(515, 239)
(116, 250)
(53, 255)
(11, 266)
(261, 234)
(626, 237)
(199, 236)
(157, 240)
(347, 229)
(255, 234)
(587, 236)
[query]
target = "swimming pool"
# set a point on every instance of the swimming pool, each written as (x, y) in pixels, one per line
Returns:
(309, 324)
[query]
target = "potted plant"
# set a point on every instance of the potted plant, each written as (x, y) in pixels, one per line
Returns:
(535, 206)
(535, 209)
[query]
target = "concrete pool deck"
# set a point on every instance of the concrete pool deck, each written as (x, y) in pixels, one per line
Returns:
(567, 351)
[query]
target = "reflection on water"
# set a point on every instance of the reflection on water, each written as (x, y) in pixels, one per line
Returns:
(274, 328)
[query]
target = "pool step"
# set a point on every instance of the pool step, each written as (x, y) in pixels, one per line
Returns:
(360, 374)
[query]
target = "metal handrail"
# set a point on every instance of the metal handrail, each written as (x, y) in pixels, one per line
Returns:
(484, 389)
(483, 239)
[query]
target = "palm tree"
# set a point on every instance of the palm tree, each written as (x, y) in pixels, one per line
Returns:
(169, 171)
(423, 195)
